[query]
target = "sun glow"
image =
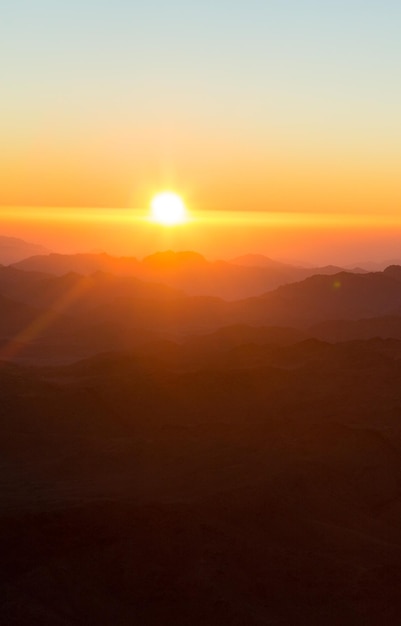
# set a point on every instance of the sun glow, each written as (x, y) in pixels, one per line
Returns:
(168, 208)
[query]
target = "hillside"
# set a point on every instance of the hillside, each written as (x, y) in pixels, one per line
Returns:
(209, 489)
(76, 315)
(211, 455)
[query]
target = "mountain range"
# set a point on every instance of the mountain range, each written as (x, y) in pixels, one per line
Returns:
(188, 271)
(141, 488)
(100, 308)
(13, 249)
(174, 457)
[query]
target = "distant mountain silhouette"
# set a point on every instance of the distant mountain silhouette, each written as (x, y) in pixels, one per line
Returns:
(60, 264)
(394, 271)
(339, 296)
(13, 250)
(107, 311)
(188, 271)
(71, 316)
(377, 266)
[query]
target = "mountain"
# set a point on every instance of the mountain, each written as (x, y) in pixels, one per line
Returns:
(377, 266)
(177, 459)
(346, 330)
(78, 294)
(86, 264)
(124, 302)
(99, 312)
(321, 298)
(17, 284)
(13, 250)
(15, 316)
(188, 271)
(133, 492)
(56, 319)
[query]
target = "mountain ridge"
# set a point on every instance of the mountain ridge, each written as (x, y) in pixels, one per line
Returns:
(13, 249)
(187, 270)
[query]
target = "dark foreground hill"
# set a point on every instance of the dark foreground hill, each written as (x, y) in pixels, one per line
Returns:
(149, 489)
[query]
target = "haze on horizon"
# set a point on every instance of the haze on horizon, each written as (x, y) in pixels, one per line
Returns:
(301, 239)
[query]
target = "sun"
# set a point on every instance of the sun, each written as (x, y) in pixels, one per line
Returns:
(168, 208)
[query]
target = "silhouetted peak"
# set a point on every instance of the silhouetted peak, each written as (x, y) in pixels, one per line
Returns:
(68, 279)
(394, 271)
(330, 269)
(102, 276)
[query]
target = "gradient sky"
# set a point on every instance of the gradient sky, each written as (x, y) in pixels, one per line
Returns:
(241, 105)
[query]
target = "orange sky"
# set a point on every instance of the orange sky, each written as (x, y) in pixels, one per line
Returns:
(287, 108)
(223, 173)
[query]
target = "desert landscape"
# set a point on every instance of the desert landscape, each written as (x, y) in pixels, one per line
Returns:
(172, 458)
(200, 313)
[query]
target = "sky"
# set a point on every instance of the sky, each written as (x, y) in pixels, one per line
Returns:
(248, 106)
